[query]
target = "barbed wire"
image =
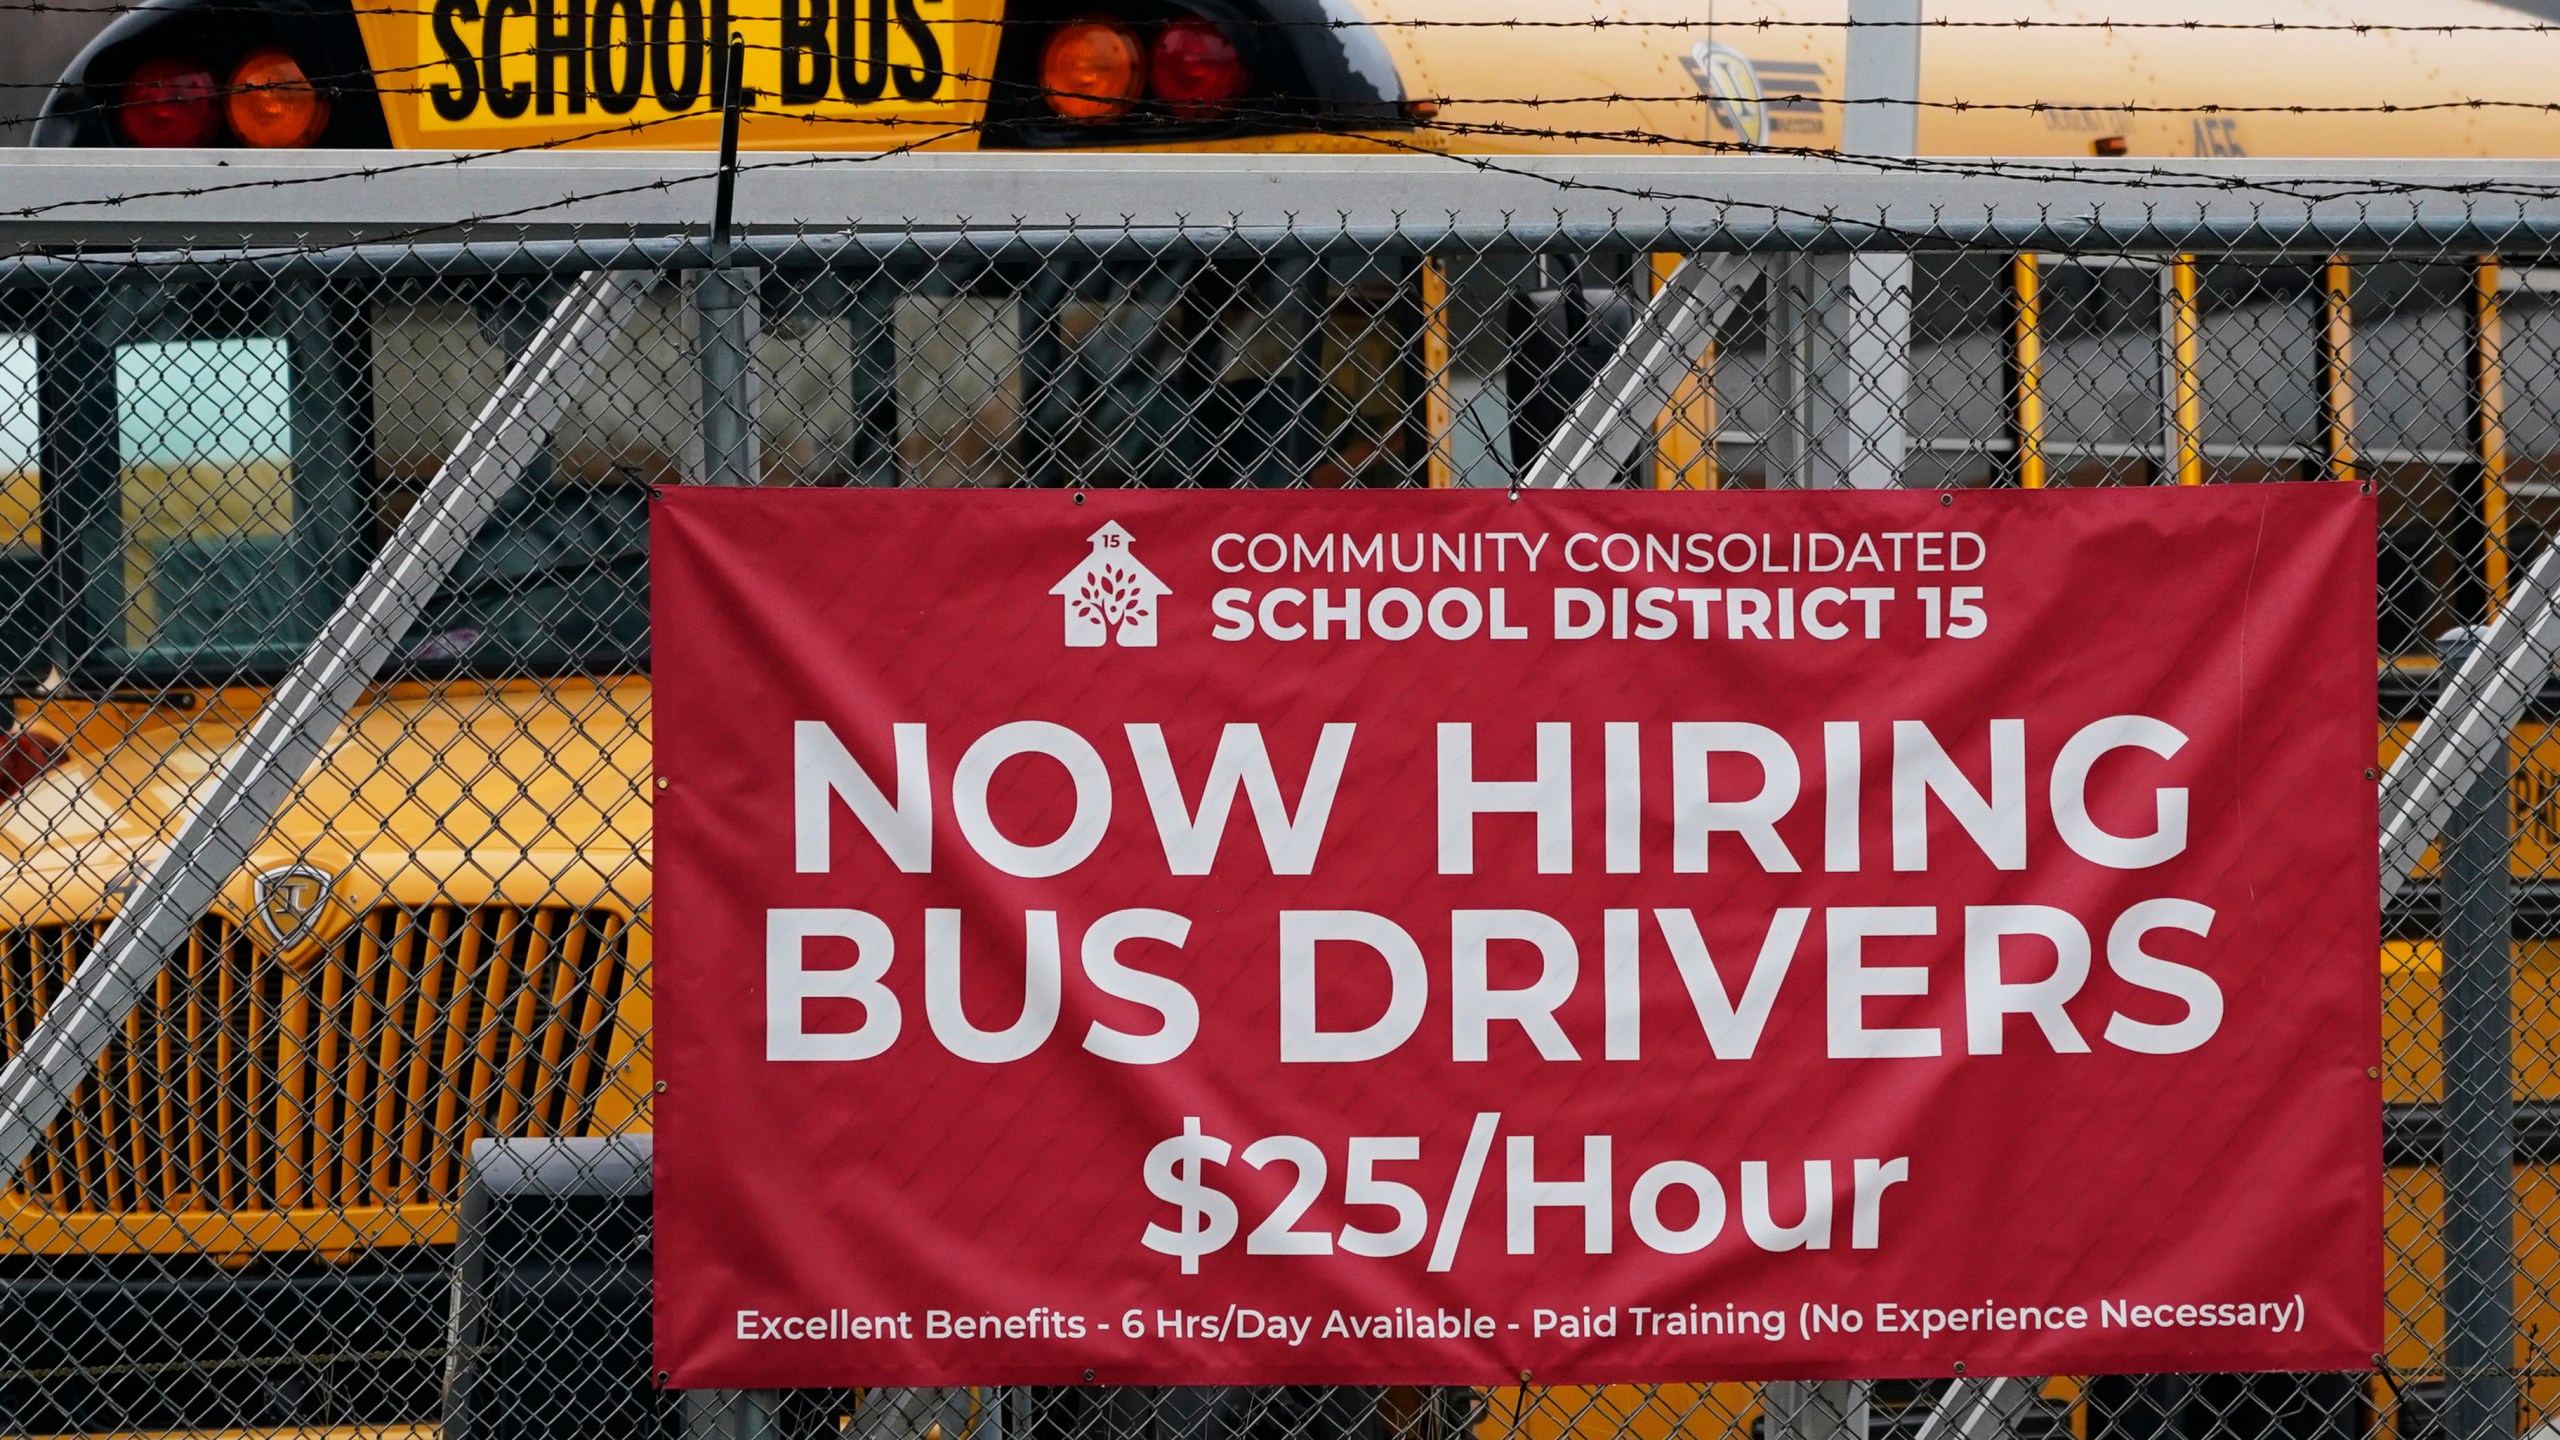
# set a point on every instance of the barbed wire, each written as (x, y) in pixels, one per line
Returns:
(1595, 22)
(2142, 177)
(1016, 90)
(1878, 227)
(447, 161)
(1368, 131)
(341, 84)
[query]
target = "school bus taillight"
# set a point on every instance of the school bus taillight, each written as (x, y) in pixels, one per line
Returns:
(271, 104)
(1093, 69)
(168, 102)
(24, 755)
(1195, 70)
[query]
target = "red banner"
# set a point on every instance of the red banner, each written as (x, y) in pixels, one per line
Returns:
(1441, 938)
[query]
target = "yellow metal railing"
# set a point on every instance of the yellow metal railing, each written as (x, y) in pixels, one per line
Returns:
(2186, 375)
(2337, 372)
(2026, 370)
(2488, 421)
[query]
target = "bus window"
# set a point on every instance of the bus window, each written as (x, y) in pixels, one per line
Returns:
(1955, 408)
(1223, 375)
(811, 422)
(2106, 415)
(1568, 315)
(2409, 439)
(1956, 413)
(2261, 365)
(1368, 356)
(1180, 373)
(23, 599)
(959, 386)
(1260, 383)
(557, 579)
(2526, 302)
(205, 480)
(1751, 409)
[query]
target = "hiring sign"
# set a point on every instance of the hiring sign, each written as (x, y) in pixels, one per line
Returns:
(1437, 938)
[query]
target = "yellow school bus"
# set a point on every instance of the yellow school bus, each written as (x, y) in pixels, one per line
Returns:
(1283, 75)
(445, 935)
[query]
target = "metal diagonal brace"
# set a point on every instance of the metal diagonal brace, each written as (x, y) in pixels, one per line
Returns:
(1993, 1408)
(253, 778)
(1616, 414)
(2475, 711)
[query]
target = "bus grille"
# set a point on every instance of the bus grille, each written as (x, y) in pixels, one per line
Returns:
(358, 1077)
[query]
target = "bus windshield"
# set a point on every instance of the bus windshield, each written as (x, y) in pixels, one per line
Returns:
(23, 601)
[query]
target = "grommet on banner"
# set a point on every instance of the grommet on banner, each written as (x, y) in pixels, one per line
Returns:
(1959, 1367)
(2373, 1072)
(662, 1377)
(660, 1087)
(662, 782)
(1088, 1375)
(1524, 1375)
(1946, 498)
(1079, 497)
(2370, 773)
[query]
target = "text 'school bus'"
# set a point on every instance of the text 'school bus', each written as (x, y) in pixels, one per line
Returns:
(189, 475)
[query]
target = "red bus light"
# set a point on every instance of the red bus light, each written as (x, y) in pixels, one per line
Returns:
(167, 102)
(1093, 70)
(271, 103)
(1195, 70)
(24, 755)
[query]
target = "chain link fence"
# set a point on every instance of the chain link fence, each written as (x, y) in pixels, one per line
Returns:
(324, 621)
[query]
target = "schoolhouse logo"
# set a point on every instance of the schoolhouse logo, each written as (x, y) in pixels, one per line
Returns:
(1110, 597)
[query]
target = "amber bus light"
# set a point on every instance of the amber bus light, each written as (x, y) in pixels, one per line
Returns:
(1195, 70)
(167, 102)
(1093, 70)
(272, 104)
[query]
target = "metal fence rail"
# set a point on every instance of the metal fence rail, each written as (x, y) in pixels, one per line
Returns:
(340, 1126)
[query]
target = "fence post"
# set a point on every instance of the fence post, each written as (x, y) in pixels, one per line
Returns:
(725, 310)
(1858, 314)
(2476, 991)
(725, 299)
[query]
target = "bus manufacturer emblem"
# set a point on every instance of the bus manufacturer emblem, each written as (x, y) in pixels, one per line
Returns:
(288, 902)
